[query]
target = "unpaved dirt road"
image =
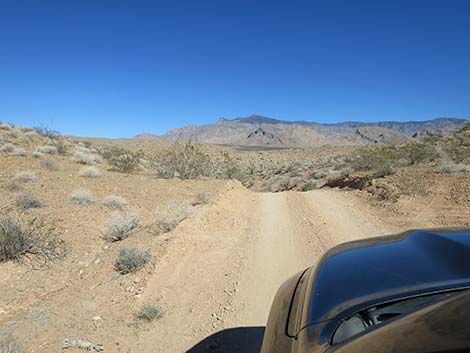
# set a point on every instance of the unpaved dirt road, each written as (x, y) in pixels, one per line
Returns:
(222, 270)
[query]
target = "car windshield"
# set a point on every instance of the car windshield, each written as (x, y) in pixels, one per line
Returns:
(379, 314)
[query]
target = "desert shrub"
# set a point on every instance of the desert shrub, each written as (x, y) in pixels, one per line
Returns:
(61, 147)
(30, 133)
(131, 260)
(186, 161)
(37, 154)
(149, 312)
(4, 126)
(309, 185)
(230, 168)
(47, 149)
(48, 164)
(18, 152)
(114, 201)
(13, 187)
(122, 160)
(121, 225)
(168, 218)
(82, 197)
(32, 239)
(47, 132)
(90, 172)
(8, 148)
(86, 158)
(13, 150)
(386, 158)
(9, 345)
(201, 199)
(320, 175)
(27, 201)
(451, 167)
(24, 177)
(13, 133)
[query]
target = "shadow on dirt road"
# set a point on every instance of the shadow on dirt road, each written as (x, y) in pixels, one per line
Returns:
(233, 340)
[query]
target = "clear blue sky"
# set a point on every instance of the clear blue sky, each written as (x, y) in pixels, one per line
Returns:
(117, 68)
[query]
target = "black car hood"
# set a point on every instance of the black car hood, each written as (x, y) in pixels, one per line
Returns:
(386, 268)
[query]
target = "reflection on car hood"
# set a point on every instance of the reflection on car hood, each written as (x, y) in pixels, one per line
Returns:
(388, 267)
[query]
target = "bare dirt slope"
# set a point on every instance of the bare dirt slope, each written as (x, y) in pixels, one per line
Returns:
(222, 273)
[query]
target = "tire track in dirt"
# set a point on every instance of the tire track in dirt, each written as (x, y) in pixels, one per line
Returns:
(219, 282)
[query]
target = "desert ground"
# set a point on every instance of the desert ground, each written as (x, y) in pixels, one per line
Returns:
(217, 248)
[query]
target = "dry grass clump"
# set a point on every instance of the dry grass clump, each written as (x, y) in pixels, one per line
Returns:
(131, 260)
(149, 312)
(47, 149)
(89, 172)
(121, 225)
(48, 164)
(170, 217)
(33, 239)
(24, 177)
(4, 126)
(82, 197)
(27, 201)
(114, 201)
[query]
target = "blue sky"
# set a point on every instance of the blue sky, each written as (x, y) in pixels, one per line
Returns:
(118, 68)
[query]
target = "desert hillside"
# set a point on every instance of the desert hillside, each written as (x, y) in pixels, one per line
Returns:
(144, 245)
(258, 130)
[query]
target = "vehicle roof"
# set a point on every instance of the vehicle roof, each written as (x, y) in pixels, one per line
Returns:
(387, 268)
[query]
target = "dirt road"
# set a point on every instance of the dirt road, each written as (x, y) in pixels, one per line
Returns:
(219, 277)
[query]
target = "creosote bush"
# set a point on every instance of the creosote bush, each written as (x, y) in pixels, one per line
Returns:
(131, 260)
(186, 161)
(34, 239)
(27, 201)
(149, 312)
(82, 197)
(114, 201)
(122, 160)
(90, 172)
(121, 225)
(386, 158)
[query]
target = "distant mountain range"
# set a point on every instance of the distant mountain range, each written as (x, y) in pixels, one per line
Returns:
(257, 130)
